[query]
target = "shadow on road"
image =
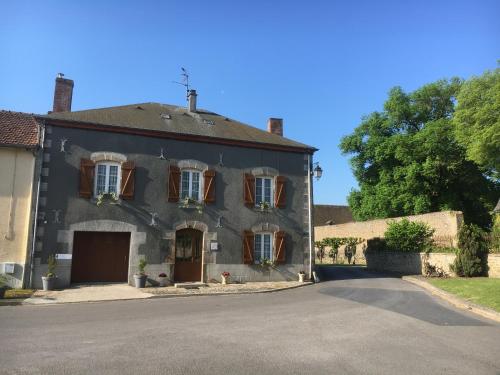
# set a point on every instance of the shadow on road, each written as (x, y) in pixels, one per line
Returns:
(390, 293)
(349, 273)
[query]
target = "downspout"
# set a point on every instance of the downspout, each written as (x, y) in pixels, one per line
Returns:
(37, 196)
(13, 200)
(309, 209)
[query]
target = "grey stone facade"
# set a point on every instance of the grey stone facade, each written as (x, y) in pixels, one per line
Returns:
(152, 220)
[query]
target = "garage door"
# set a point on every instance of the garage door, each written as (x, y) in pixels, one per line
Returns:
(100, 257)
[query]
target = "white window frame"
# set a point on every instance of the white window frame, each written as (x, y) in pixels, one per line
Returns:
(263, 178)
(271, 244)
(190, 184)
(106, 182)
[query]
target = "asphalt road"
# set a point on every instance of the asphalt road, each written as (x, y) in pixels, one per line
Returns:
(357, 323)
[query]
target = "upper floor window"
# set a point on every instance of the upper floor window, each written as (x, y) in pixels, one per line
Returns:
(263, 246)
(190, 185)
(263, 190)
(107, 178)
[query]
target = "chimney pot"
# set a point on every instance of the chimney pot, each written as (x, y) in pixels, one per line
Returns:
(275, 126)
(63, 94)
(192, 100)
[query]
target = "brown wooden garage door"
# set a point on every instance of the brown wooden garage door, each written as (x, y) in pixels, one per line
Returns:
(100, 256)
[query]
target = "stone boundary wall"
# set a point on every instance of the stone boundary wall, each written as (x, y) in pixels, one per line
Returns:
(445, 223)
(413, 263)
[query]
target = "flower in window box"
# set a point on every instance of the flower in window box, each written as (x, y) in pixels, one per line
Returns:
(266, 263)
(112, 198)
(264, 206)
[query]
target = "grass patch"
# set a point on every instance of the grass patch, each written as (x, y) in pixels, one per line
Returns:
(18, 293)
(481, 290)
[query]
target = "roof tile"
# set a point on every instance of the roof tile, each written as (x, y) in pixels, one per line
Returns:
(18, 129)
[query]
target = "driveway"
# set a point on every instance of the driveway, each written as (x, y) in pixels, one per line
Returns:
(356, 323)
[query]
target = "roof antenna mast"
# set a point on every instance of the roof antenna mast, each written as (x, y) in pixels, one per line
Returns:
(184, 81)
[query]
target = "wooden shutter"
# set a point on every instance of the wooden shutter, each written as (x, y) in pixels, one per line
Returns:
(280, 251)
(279, 194)
(174, 182)
(249, 190)
(128, 180)
(209, 186)
(248, 245)
(87, 168)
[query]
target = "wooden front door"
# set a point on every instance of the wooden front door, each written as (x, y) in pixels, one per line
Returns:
(188, 247)
(100, 257)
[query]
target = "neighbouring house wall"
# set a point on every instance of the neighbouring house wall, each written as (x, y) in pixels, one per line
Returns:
(445, 223)
(413, 263)
(63, 211)
(16, 171)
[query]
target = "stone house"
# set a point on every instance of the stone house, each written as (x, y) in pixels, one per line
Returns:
(19, 146)
(190, 191)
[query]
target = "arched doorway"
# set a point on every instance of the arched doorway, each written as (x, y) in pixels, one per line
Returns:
(188, 250)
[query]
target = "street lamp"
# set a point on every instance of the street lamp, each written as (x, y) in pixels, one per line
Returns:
(317, 171)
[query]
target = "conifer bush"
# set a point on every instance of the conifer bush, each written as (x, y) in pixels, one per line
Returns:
(472, 255)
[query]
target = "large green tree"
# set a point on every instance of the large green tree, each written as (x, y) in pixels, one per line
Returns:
(477, 121)
(407, 161)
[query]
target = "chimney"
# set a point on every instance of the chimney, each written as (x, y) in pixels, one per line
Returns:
(192, 100)
(275, 126)
(63, 94)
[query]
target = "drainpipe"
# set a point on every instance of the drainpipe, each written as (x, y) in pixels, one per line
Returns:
(309, 212)
(37, 196)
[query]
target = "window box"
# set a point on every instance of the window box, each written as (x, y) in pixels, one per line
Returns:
(110, 198)
(189, 203)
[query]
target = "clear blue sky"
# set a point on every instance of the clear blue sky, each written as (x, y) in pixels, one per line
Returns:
(320, 65)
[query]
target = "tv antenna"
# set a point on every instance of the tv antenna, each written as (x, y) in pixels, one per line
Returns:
(184, 81)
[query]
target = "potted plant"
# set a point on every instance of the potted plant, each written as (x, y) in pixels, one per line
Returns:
(162, 279)
(225, 277)
(140, 277)
(49, 280)
(302, 276)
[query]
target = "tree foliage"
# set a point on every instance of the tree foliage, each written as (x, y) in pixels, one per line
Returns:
(407, 161)
(408, 236)
(477, 120)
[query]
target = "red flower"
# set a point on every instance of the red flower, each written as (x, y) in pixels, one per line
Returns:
(225, 274)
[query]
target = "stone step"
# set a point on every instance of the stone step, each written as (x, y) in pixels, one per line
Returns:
(190, 285)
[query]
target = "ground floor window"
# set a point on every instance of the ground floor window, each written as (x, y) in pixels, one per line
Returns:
(263, 247)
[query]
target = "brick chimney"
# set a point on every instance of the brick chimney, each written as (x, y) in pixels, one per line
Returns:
(275, 126)
(192, 100)
(63, 94)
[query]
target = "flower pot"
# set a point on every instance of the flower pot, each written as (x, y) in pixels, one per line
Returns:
(225, 279)
(163, 281)
(48, 283)
(302, 276)
(2, 291)
(140, 281)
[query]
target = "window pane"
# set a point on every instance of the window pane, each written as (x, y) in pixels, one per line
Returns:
(113, 179)
(267, 190)
(267, 246)
(185, 185)
(195, 188)
(258, 248)
(258, 190)
(101, 179)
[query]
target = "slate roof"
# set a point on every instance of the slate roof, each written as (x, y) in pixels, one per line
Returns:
(18, 129)
(174, 119)
(331, 215)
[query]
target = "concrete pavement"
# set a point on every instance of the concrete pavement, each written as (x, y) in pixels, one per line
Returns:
(358, 323)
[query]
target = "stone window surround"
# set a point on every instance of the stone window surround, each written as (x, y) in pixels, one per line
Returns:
(108, 156)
